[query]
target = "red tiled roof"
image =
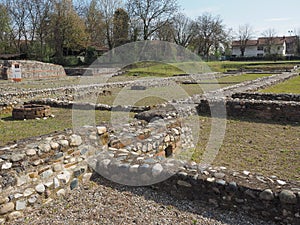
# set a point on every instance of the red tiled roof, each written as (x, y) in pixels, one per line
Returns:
(249, 43)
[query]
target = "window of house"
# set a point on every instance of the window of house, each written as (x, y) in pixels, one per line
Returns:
(260, 55)
(260, 48)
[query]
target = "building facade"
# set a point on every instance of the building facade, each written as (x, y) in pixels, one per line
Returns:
(264, 46)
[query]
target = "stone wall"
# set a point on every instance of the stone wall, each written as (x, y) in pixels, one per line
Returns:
(35, 69)
(34, 171)
(255, 109)
(38, 170)
(268, 96)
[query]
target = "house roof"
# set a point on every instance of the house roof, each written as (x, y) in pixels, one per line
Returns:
(249, 43)
(266, 40)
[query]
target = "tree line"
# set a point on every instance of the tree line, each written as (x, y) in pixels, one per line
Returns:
(50, 30)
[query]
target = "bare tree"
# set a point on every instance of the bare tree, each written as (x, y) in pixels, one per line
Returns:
(120, 27)
(152, 14)
(108, 8)
(95, 24)
(5, 28)
(184, 29)
(165, 32)
(19, 22)
(210, 33)
(269, 35)
(68, 29)
(245, 33)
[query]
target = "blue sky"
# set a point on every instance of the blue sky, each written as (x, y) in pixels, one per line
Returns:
(260, 14)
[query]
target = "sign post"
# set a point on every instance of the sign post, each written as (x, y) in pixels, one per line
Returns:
(16, 72)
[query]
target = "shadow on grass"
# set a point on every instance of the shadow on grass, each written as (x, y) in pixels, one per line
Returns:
(157, 194)
(9, 118)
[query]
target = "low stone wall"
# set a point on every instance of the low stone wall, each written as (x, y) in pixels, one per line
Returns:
(267, 97)
(92, 71)
(31, 111)
(34, 171)
(89, 106)
(268, 198)
(35, 69)
(254, 109)
(38, 170)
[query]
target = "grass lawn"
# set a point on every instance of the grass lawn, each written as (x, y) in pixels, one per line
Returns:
(287, 87)
(11, 130)
(158, 95)
(269, 149)
(223, 66)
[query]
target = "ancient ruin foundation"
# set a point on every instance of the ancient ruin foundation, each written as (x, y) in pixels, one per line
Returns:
(31, 111)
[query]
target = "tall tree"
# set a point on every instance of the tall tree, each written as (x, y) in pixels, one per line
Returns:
(165, 32)
(5, 29)
(245, 33)
(269, 35)
(210, 33)
(108, 8)
(68, 29)
(152, 14)
(95, 25)
(120, 27)
(184, 29)
(19, 21)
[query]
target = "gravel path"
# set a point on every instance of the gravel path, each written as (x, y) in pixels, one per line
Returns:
(101, 202)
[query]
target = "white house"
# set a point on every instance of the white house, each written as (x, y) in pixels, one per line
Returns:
(283, 46)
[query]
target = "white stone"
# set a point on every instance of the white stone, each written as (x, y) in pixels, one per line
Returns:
(6, 166)
(45, 147)
(86, 177)
(281, 182)
(55, 183)
(32, 199)
(22, 180)
(64, 143)
(93, 137)
(57, 167)
(28, 192)
(40, 188)
(61, 192)
(30, 152)
(210, 179)
(20, 205)
(101, 130)
(65, 177)
(75, 140)
(246, 173)
(48, 184)
(54, 145)
(14, 215)
(46, 174)
(18, 195)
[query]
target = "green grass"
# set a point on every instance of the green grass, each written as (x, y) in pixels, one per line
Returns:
(242, 78)
(12, 130)
(266, 148)
(289, 86)
(153, 69)
(223, 66)
(158, 95)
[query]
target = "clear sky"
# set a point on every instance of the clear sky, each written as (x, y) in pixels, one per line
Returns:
(283, 16)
